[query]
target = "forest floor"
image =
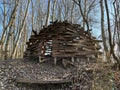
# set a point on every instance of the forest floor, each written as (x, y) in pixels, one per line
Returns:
(85, 76)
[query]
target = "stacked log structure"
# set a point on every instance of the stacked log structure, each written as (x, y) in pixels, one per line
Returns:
(63, 40)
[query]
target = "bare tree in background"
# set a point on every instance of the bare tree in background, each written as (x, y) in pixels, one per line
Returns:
(103, 30)
(116, 5)
(59, 9)
(109, 29)
(53, 10)
(72, 10)
(6, 26)
(116, 36)
(82, 13)
(85, 7)
(48, 13)
(39, 15)
(13, 16)
(32, 14)
(20, 31)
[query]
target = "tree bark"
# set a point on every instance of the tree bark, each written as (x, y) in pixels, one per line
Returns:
(116, 29)
(53, 11)
(84, 13)
(81, 11)
(109, 30)
(59, 12)
(20, 31)
(72, 11)
(102, 29)
(48, 13)
(32, 14)
(12, 18)
(4, 31)
(10, 32)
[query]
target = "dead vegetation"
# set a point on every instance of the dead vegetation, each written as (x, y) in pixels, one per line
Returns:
(85, 76)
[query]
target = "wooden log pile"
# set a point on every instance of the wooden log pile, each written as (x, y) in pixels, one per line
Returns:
(62, 40)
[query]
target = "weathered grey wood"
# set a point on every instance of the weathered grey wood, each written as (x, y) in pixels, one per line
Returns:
(59, 54)
(64, 62)
(40, 59)
(55, 60)
(31, 81)
(78, 60)
(73, 59)
(68, 29)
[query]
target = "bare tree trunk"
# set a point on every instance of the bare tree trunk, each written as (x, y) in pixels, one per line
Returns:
(20, 32)
(66, 9)
(102, 29)
(32, 14)
(4, 31)
(10, 21)
(84, 13)
(53, 11)
(81, 11)
(48, 13)
(72, 11)
(109, 30)
(59, 12)
(10, 34)
(116, 29)
(23, 41)
(12, 18)
(116, 5)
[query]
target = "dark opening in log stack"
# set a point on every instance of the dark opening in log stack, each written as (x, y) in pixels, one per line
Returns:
(62, 41)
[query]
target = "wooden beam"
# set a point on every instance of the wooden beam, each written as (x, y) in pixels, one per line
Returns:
(55, 60)
(71, 30)
(32, 81)
(74, 54)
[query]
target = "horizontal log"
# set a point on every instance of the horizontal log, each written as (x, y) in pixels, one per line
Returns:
(65, 50)
(74, 44)
(63, 55)
(32, 81)
(87, 40)
(87, 48)
(76, 53)
(71, 30)
(95, 41)
(70, 33)
(73, 49)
